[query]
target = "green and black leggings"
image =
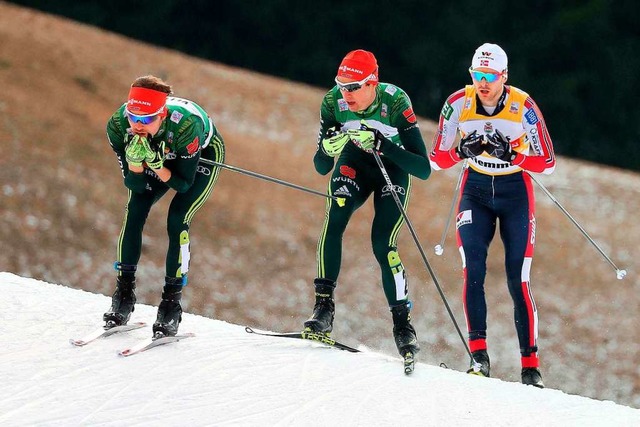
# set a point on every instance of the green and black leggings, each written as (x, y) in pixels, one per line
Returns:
(355, 177)
(182, 209)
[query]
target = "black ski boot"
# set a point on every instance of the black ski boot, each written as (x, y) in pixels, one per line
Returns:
(122, 302)
(321, 322)
(403, 332)
(532, 376)
(169, 310)
(480, 365)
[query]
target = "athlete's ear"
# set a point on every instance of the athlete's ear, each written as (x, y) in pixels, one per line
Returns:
(505, 76)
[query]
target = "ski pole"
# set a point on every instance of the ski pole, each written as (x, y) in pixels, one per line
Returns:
(439, 249)
(339, 200)
(417, 242)
(620, 274)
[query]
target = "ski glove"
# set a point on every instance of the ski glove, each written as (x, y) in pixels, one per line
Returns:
(136, 151)
(333, 145)
(155, 158)
(367, 138)
(470, 145)
(499, 147)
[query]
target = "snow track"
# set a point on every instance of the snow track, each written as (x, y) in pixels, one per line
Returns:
(226, 377)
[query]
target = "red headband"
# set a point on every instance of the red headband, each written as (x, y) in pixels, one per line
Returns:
(143, 101)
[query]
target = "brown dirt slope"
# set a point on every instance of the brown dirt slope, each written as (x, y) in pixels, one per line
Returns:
(254, 242)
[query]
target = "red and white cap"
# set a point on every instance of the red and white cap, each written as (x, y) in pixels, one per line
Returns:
(490, 55)
(359, 65)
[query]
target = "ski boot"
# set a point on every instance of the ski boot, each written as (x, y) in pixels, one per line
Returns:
(405, 335)
(480, 364)
(532, 376)
(169, 310)
(122, 302)
(321, 321)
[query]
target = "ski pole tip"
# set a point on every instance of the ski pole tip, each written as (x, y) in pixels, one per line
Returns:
(439, 250)
(620, 274)
(341, 201)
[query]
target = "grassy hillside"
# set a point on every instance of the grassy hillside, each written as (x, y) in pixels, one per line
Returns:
(253, 244)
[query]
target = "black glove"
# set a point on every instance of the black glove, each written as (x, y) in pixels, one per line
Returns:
(470, 146)
(499, 147)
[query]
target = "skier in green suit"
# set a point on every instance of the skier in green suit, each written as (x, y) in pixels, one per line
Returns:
(358, 115)
(159, 140)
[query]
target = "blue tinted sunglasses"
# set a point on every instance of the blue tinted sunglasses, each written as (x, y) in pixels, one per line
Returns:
(489, 77)
(144, 119)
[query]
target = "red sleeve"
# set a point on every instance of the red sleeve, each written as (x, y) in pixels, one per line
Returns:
(542, 158)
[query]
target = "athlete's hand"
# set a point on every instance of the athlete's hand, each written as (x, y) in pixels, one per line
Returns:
(367, 138)
(333, 145)
(499, 147)
(155, 158)
(136, 151)
(470, 145)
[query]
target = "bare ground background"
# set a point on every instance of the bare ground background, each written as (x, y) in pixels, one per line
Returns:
(253, 244)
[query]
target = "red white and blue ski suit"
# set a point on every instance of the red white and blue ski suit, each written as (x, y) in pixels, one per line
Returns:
(493, 191)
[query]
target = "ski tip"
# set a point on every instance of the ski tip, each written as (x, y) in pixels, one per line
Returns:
(128, 351)
(77, 343)
(248, 330)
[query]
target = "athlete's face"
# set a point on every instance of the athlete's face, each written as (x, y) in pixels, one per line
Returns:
(143, 129)
(358, 99)
(489, 84)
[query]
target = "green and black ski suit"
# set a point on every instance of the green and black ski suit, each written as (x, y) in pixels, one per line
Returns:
(357, 175)
(189, 135)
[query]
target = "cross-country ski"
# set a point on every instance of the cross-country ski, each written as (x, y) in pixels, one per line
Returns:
(304, 335)
(105, 332)
(153, 342)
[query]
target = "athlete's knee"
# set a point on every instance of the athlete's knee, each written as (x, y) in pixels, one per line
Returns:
(136, 212)
(380, 247)
(176, 223)
(474, 257)
(337, 223)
